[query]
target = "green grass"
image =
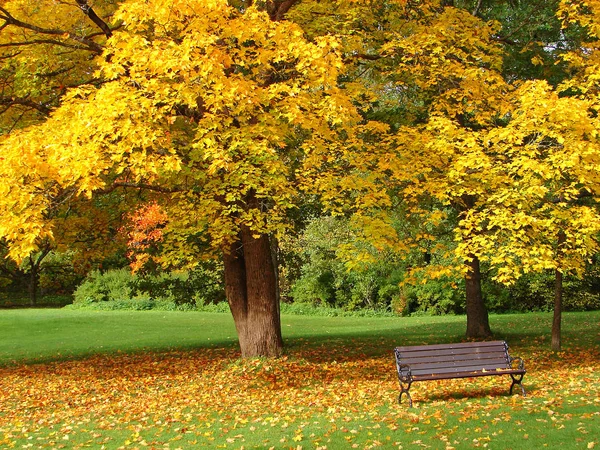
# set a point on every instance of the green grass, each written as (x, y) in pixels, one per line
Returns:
(37, 335)
(118, 379)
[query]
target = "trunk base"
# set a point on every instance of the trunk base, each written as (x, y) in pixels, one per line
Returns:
(251, 289)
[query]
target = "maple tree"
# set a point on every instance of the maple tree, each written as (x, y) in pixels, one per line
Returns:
(215, 111)
(45, 48)
(144, 233)
(519, 178)
(85, 233)
(443, 66)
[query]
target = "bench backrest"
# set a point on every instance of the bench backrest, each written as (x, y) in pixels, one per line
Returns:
(446, 359)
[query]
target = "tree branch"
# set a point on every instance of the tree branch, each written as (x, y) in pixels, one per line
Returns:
(476, 10)
(12, 101)
(42, 41)
(365, 56)
(141, 186)
(278, 8)
(88, 11)
(9, 19)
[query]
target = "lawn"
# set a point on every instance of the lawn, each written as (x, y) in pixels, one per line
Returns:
(77, 379)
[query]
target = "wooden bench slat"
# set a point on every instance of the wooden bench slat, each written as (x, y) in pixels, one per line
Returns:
(453, 346)
(450, 351)
(451, 375)
(419, 357)
(492, 362)
(462, 368)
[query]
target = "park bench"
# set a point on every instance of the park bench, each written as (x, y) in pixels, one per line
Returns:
(445, 361)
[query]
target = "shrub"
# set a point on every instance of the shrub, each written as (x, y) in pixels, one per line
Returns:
(434, 297)
(57, 275)
(200, 286)
(120, 289)
(535, 292)
(110, 286)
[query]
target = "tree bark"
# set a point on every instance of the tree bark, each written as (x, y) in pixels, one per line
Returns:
(478, 325)
(558, 293)
(278, 8)
(35, 264)
(33, 282)
(557, 319)
(250, 287)
(88, 11)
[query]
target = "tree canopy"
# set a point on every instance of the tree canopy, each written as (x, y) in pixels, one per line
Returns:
(230, 116)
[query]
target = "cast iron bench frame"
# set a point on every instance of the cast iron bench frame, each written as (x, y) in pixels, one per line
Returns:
(446, 361)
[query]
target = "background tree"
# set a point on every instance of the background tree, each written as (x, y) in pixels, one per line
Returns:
(442, 65)
(458, 77)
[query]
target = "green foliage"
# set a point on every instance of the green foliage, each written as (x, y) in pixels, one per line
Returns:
(200, 286)
(532, 37)
(434, 297)
(112, 285)
(375, 284)
(308, 309)
(168, 291)
(57, 274)
(325, 279)
(535, 292)
(9, 299)
(325, 284)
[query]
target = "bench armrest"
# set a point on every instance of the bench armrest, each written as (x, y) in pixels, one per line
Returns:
(404, 373)
(518, 360)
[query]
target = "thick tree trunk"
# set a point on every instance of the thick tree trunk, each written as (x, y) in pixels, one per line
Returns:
(478, 325)
(558, 291)
(250, 286)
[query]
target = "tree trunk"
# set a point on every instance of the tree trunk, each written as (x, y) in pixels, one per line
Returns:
(558, 291)
(33, 283)
(34, 273)
(557, 319)
(250, 287)
(478, 325)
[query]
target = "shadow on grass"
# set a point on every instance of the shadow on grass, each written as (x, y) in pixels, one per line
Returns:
(314, 339)
(464, 394)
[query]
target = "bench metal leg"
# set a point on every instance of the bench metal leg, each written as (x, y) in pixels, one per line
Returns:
(404, 390)
(516, 379)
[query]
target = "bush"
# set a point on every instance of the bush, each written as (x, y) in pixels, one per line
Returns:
(324, 278)
(110, 286)
(307, 309)
(535, 292)
(57, 275)
(120, 289)
(434, 297)
(201, 286)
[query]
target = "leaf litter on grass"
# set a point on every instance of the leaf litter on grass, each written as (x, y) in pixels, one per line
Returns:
(314, 398)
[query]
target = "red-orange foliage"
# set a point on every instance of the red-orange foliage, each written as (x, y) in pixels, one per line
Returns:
(144, 233)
